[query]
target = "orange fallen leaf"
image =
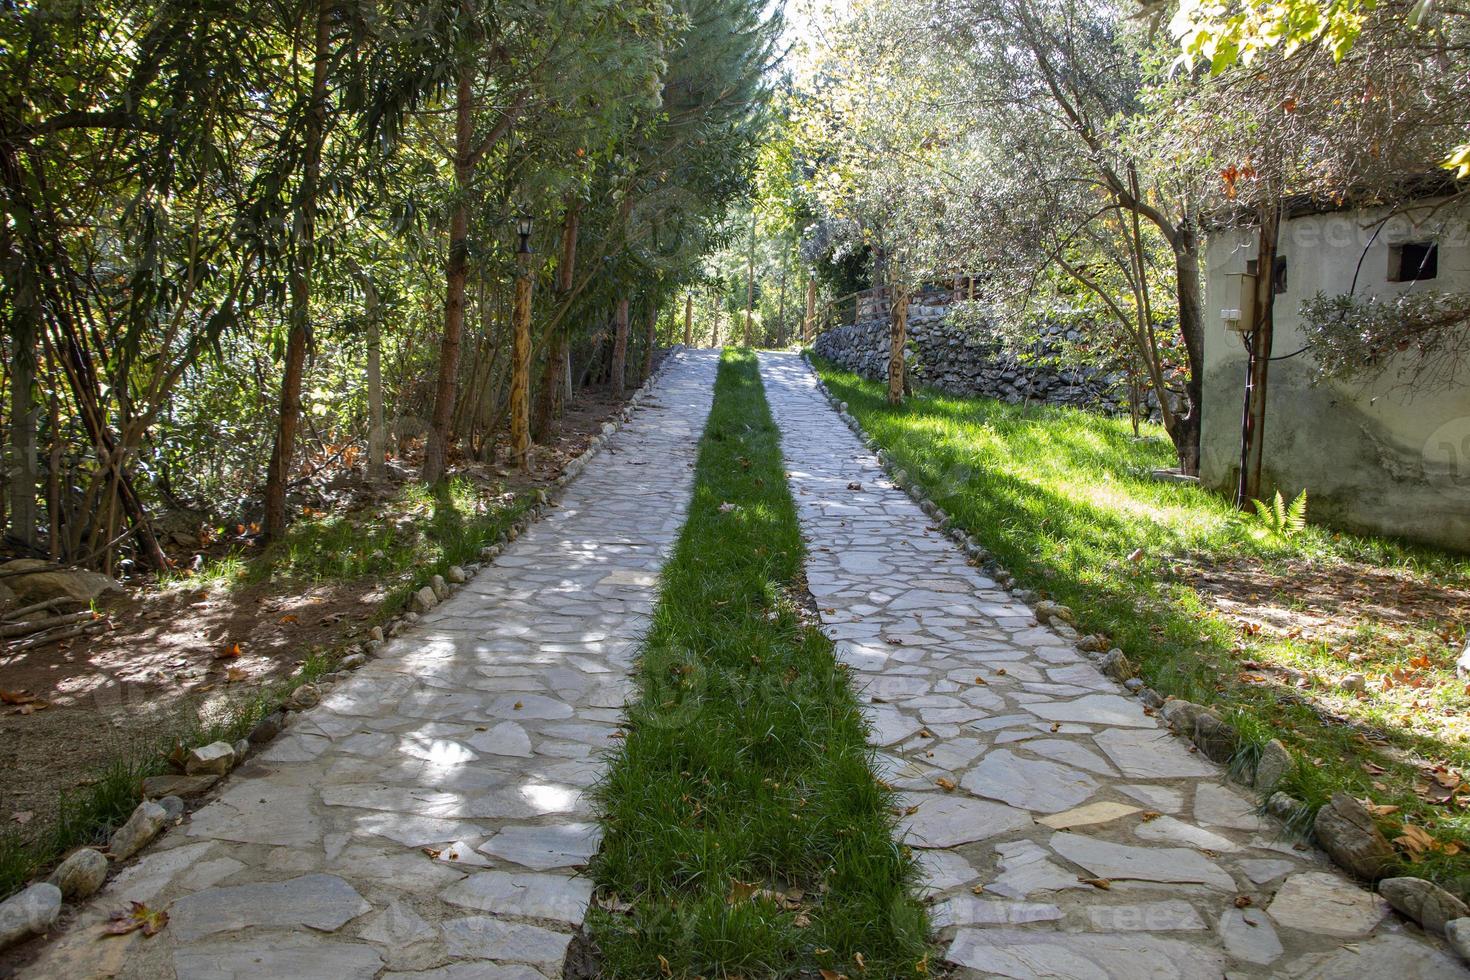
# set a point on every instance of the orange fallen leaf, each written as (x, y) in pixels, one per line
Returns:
(135, 917)
(948, 785)
(229, 653)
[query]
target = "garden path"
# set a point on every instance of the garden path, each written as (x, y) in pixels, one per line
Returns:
(1030, 773)
(427, 818)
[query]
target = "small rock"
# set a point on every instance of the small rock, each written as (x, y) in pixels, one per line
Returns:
(216, 758)
(28, 913)
(1115, 665)
(1065, 630)
(266, 729)
(1134, 684)
(1275, 762)
(242, 749)
(440, 587)
(1047, 611)
(376, 633)
(81, 874)
(1095, 643)
(456, 575)
(145, 823)
(1216, 738)
(1347, 833)
(1282, 806)
(423, 600)
(1423, 901)
(1457, 931)
(1352, 683)
(303, 697)
(184, 787)
(353, 661)
(174, 807)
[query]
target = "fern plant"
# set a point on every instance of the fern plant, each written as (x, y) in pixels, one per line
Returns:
(1279, 518)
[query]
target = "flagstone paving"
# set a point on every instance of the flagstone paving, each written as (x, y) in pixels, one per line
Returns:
(1059, 773)
(474, 735)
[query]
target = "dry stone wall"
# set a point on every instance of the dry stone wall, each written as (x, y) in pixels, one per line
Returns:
(961, 361)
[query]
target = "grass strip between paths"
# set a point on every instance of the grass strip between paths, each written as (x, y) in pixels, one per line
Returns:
(1062, 498)
(745, 834)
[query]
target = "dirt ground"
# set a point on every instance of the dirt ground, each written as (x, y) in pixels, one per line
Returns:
(165, 656)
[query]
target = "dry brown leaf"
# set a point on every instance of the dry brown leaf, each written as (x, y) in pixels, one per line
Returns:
(663, 966)
(832, 975)
(1101, 883)
(1148, 815)
(16, 697)
(135, 917)
(858, 959)
(23, 816)
(948, 785)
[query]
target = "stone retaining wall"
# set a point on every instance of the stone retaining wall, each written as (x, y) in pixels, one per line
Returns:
(962, 361)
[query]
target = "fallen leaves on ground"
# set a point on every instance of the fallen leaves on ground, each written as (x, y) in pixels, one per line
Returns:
(135, 917)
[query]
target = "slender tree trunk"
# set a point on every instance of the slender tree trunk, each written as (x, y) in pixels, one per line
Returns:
(1253, 433)
(520, 368)
(688, 319)
(781, 309)
(750, 284)
(1192, 330)
(300, 283)
(897, 338)
(22, 472)
(715, 335)
(377, 436)
(456, 273)
(650, 341)
(556, 358)
(809, 324)
(620, 348)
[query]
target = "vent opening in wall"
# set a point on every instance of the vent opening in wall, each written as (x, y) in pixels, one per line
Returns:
(1413, 262)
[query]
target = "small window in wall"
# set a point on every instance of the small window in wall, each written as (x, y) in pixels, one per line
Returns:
(1413, 262)
(1278, 274)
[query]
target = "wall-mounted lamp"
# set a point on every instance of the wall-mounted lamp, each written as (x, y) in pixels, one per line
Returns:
(523, 228)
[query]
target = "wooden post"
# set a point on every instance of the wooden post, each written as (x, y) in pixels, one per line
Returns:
(688, 319)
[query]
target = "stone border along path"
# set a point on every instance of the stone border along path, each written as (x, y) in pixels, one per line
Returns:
(1058, 774)
(474, 734)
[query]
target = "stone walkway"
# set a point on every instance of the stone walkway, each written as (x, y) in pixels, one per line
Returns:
(472, 736)
(1059, 775)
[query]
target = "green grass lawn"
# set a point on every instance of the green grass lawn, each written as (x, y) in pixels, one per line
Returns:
(1211, 605)
(745, 832)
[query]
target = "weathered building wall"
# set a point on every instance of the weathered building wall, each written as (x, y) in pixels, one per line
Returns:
(960, 361)
(1380, 457)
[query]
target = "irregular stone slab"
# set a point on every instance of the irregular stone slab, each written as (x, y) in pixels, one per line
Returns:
(1152, 755)
(1131, 956)
(1389, 956)
(1248, 935)
(1160, 798)
(398, 925)
(472, 971)
(412, 830)
(1105, 859)
(1092, 813)
(1072, 754)
(1027, 868)
(532, 896)
(1095, 709)
(506, 738)
(485, 938)
(1028, 783)
(260, 811)
(944, 870)
(1320, 902)
(258, 958)
(1179, 832)
(545, 847)
(1262, 870)
(320, 901)
(1171, 916)
(943, 820)
(1216, 806)
(967, 910)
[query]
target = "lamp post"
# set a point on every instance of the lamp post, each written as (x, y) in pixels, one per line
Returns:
(520, 374)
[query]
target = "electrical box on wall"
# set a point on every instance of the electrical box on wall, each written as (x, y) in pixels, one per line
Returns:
(1238, 314)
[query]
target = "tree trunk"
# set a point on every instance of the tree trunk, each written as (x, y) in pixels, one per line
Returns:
(22, 471)
(781, 309)
(897, 338)
(688, 319)
(650, 341)
(456, 272)
(1253, 430)
(809, 324)
(520, 367)
(750, 284)
(300, 283)
(715, 335)
(377, 437)
(620, 348)
(1192, 329)
(556, 358)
